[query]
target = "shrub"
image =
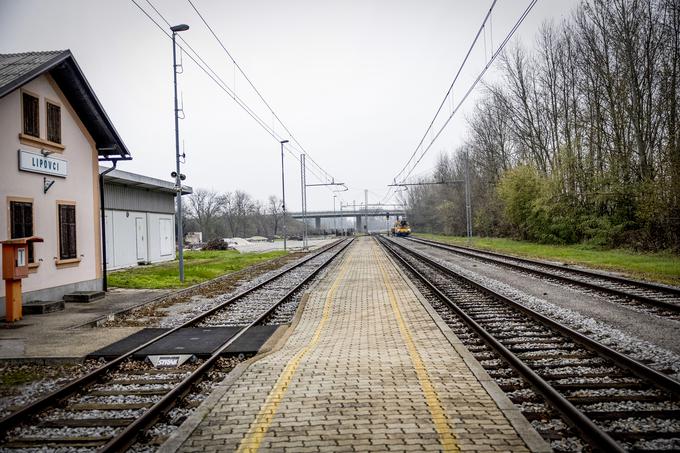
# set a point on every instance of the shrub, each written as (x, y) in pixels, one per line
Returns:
(519, 189)
(216, 244)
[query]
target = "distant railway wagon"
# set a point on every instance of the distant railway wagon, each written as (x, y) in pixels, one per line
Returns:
(401, 228)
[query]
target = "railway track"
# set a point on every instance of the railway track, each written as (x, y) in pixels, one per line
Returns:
(108, 408)
(660, 300)
(578, 393)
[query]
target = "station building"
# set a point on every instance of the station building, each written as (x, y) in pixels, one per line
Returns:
(54, 133)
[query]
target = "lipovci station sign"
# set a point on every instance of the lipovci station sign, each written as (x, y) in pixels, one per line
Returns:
(37, 163)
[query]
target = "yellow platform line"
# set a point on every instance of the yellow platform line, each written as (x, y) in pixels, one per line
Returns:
(446, 437)
(253, 439)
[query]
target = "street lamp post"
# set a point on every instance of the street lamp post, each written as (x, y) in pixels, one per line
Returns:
(283, 194)
(178, 175)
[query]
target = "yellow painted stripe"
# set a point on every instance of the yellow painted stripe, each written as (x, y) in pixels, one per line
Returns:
(251, 442)
(446, 437)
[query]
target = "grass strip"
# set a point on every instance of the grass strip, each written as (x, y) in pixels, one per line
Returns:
(199, 266)
(663, 267)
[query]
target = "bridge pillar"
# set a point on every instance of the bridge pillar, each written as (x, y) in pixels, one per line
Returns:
(358, 223)
(317, 223)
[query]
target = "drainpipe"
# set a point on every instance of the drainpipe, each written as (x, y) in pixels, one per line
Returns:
(105, 286)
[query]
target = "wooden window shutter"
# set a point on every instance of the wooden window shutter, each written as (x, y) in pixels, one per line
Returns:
(67, 232)
(31, 119)
(53, 123)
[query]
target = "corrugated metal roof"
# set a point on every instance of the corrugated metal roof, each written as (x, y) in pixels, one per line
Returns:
(20, 68)
(136, 180)
(136, 198)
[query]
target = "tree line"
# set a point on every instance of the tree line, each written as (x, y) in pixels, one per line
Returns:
(578, 141)
(235, 214)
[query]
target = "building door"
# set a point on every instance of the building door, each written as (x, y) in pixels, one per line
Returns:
(165, 227)
(140, 227)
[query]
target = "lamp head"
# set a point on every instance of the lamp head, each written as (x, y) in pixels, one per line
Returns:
(180, 27)
(284, 141)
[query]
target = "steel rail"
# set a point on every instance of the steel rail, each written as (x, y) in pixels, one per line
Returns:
(478, 254)
(622, 360)
(585, 272)
(179, 292)
(578, 419)
(127, 437)
(79, 384)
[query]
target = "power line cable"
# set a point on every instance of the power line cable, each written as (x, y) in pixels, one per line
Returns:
(252, 85)
(474, 84)
(448, 92)
(207, 69)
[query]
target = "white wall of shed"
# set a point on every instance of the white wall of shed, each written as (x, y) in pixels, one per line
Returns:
(121, 238)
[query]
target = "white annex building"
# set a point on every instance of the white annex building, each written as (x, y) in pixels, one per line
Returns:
(140, 219)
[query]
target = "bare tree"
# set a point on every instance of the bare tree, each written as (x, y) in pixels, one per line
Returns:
(239, 207)
(205, 207)
(275, 211)
(594, 108)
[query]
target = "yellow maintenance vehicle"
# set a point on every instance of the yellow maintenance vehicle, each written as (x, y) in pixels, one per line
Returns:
(401, 228)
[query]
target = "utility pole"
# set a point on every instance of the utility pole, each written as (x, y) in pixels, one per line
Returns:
(342, 220)
(465, 182)
(303, 178)
(283, 194)
(366, 210)
(304, 191)
(468, 208)
(335, 225)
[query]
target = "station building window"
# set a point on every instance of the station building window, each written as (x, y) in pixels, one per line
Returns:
(31, 114)
(21, 223)
(67, 230)
(53, 122)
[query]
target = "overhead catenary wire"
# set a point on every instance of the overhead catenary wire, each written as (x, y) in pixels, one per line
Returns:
(391, 190)
(448, 92)
(259, 94)
(500, 48)
(204, 66)
(207, 69)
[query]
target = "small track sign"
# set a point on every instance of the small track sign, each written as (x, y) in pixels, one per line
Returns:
(169, 361)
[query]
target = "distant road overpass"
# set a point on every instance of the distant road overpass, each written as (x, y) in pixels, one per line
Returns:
(358, 215)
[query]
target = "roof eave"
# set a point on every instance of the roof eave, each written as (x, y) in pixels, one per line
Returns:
(124, 153)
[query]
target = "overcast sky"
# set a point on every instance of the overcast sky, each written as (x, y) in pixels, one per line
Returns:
(356, 82)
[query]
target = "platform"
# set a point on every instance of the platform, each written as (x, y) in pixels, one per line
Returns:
(367, 366)
(63, 335)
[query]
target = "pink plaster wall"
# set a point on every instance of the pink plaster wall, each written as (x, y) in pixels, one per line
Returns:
(81, 186)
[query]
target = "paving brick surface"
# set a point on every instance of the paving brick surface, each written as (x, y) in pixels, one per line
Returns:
(366, 369)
